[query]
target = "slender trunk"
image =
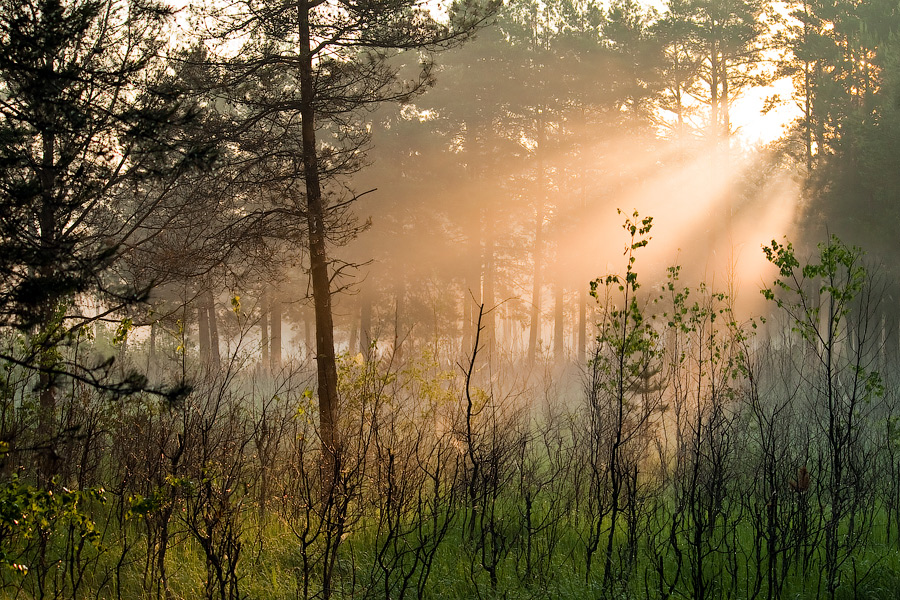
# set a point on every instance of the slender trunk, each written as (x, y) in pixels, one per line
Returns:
(275, 326)
(714, 95)
(487, 290)
(818, 119)
(679, 109)
(715, 138)
(807, 100)
(48, 240)
(559, 341)
(326, 364)
(808, 96)
(582, 324)
(151, 353)
(264, 329)
(163, 545)
(203, 332)
(533, 335)
(472, 291)
(308, 326)
(473, 286)
(354, 331)
(214, 357)
(467, 332)
(726, 117)
(399, 334)
(807, 113)
(724, 151)
(365, 325)
(583, 293)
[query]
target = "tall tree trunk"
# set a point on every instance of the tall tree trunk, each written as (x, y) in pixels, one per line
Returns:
(203, 330)
(399, 332)
(715, 129)
(275, 331)
(489, 334)
(326, 363)
(466, 335)
(808, 116)
(151, 353)
(581, 336)
(215, 358)
(582, 323)
(714, 94)
(559, 343)
(354, 331)
(537, 285)
(264, 329)
(819, 118)
(724, 153)
(48, 237)
(726, 109)
(365, 325)
(679, 108)
(472, 291)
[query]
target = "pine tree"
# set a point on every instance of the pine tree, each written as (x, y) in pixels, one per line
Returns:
(85, 112)
(332, 62)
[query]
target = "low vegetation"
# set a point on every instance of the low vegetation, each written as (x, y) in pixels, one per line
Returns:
(702, 458)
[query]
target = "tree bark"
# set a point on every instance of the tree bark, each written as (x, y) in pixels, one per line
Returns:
(151, 352)
(48, 240)
(582, 323)
(264, 330)
(559, 345)
(215, 358)
(365, 325)
(354, 331)
(489, 334)
(203, 331)
(534, 333)
(472, 291)
(399, 308)
(275, 332)
(326, 364)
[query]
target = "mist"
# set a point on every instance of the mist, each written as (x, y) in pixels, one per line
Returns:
(470, 299)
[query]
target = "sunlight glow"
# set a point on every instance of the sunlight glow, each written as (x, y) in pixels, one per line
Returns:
(754, 126)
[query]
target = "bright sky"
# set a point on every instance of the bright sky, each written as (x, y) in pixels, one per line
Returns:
(755, 128)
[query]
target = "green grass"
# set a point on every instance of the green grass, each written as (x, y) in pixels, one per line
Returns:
(270, 565)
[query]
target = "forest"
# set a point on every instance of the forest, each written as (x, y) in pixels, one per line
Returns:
(430, 299)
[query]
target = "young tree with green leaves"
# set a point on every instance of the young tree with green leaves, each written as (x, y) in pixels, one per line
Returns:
(831, 302)
(623, 402)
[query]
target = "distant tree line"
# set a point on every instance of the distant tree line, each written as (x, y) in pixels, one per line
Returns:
(412, 186)
(561, 110)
